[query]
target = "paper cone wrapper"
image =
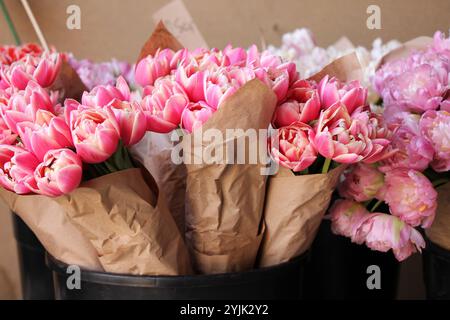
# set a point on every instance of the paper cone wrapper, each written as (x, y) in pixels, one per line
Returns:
(68, 83)
(224, 202)
(107, 224)
(295, 206)
(154, 152)
(439, 232)
(416, 44)
(346, 68)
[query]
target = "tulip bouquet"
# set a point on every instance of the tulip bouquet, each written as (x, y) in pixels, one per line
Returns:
(323, 124)
(414, 91)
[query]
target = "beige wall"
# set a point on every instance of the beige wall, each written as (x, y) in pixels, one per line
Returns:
(118, 28)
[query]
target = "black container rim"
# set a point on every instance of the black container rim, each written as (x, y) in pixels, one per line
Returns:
(202, 280)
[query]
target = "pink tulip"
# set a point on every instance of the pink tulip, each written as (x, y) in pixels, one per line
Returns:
(352, 95)
(414, 151)
(303, 105)
(193, 83)
(383, 232)
(6, 135)
(95, 133)
(223, 83)
(48, 69)
(195, 115)
(236, 56)
(59, 173)
(101, 95)
(163, 108)
(16, 168)
(153, 67)
(362, 182)
(131, 120)
(51, 133)
(340, 138)
(291, 147)
(23, 105)
(410, 196)
(435, 126)
(347, 217)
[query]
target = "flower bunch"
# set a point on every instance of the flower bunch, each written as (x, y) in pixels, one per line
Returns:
(300, 46)
(10, 54)
(329, 122)
(414, 91)
(184, 89)
(45, 144)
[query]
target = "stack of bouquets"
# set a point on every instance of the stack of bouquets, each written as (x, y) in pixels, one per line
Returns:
(414, 91)
(66, 160)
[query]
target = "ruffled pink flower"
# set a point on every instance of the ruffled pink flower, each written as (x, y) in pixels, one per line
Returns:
(303, 105)
(153, 67)
(383, 232)
(347, 217)
(291, 147)
(23, 105)
(410, 196)
(50, 133)
(362, 182)
(59, 173)
(131, 121)
(16, 168)
(101, 95)
(435, 126)
(414, 151)
(95, 133)
(352, 95)
(6, 135)
(164, 106)
(195, 115)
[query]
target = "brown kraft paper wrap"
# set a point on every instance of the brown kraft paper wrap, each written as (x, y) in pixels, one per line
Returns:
(295, 206)
(68, 83)
(155, 149)
(439, 232)
(109, 223)
(224, 202)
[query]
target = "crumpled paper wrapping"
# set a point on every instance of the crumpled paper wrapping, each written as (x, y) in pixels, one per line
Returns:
(224, 202)
(68, 83)
(295, 206)
(154, 153)
(439, 232)
(108, 223)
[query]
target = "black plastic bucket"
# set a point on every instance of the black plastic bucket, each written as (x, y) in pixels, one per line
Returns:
(278, 282)
(338, 269)
(36, 279)
(436, 271)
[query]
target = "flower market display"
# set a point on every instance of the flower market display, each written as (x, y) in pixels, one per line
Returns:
(208, 161)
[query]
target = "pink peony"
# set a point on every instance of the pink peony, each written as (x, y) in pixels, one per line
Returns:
(362, 183)
(435, 126)
(410, 196)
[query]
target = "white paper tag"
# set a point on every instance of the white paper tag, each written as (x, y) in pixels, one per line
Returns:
(180, 23)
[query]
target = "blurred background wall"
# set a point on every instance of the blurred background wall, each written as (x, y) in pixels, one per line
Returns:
(117, 28)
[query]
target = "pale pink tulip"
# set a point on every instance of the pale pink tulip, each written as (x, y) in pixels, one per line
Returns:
(435, 126)
(101, 95)
(51, 133)
(352, 95)
(361, 183)
(347, 217)
(303, 105)
(291, 147)
(410, 196)
(153, 67)
(16, 168)
(383, 232)
(163, 108)
(195, 115)
(131, 120)
(95, 133)
(59, 173)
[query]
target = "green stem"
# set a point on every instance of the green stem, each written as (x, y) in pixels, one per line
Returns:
(10, 23)
(376, 205)
(438, 182)
(326, 165)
